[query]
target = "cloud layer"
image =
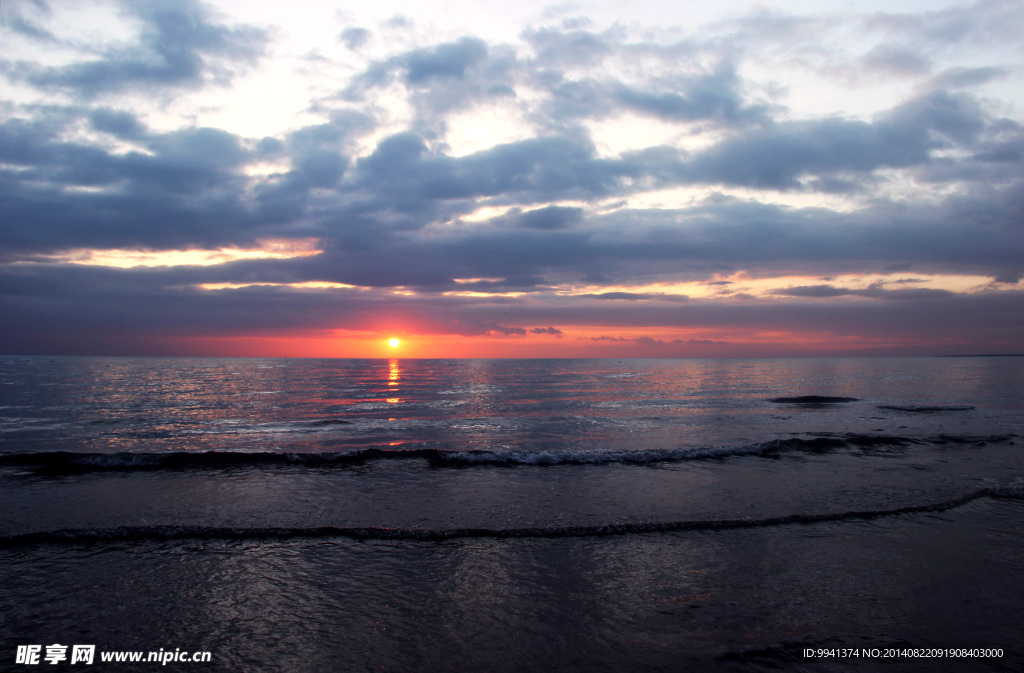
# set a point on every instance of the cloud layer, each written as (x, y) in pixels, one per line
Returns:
(581, 188)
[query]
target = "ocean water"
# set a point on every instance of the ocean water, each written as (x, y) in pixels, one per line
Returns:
(515, 515)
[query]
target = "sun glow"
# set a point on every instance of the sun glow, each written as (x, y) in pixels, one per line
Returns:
(273, 248)
(305, 285)
(393, 343)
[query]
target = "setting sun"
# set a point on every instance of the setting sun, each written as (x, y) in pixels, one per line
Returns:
(393, 343)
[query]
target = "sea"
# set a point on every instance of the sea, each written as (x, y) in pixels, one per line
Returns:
(818, 514)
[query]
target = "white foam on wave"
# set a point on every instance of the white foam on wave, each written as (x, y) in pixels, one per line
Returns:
(121, 459)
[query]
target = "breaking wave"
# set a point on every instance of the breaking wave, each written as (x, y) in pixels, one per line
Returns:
(166, 533)
(69, 462)
(924, 410)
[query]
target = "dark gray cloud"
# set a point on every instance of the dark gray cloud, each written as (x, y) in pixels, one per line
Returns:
(318, 157)
(551, 217)
(505, 331)
(441, 79)
(813, 291)
(712, 96)
(983, 22)
(84, 309)
(118, 123)
(958, 78)
(559, 49)
(354, 37)
(458, 74)
(629, 296)
(94, 175)
(180, 45)
(780, 156)
(188, 190)
(447, 60)
(420, 68)
(897, 60)
(19, 19)
(651, 342)
(400, 22)
(174, 197)
(536, 169)
(876, 291)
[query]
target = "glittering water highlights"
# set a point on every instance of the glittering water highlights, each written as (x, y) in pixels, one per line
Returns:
(510, 515)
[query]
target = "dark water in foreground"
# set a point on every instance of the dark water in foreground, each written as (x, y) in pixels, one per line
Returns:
(574, 515)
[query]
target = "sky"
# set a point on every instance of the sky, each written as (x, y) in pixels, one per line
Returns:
(530, 179)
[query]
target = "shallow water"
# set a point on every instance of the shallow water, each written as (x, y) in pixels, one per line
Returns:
(577, 515)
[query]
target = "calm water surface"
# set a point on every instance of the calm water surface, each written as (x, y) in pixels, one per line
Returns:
(511, 515)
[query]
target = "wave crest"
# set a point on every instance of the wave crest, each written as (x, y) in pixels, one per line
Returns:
(69, 462)
(166, 533)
